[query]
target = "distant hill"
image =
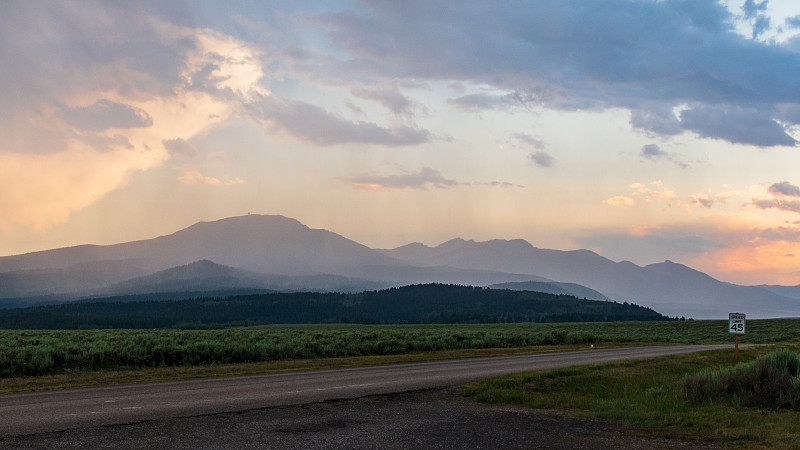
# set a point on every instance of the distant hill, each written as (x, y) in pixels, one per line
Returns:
(552, 287)
(785, 291)
(431, 303)
(257, 252)
(670, 288)
(205, 276)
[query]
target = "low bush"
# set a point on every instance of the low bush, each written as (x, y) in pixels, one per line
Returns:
(771, 381)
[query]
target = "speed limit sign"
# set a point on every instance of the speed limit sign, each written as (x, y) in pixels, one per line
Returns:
(736, 323)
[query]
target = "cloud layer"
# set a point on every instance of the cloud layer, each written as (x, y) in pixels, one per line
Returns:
(647, 57)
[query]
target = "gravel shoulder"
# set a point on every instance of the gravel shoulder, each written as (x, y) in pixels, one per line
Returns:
(431, 419)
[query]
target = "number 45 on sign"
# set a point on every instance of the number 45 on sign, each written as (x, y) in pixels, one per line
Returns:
(736, 323)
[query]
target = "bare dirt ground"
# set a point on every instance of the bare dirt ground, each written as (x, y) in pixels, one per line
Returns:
(430, 419)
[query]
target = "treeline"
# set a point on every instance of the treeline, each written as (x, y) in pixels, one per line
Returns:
(428, 303)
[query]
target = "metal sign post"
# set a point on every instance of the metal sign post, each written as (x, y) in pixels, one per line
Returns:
(736, 326)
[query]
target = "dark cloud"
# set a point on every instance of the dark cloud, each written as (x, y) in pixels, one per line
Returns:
(422, 180)
(754, 12)
(778, 203)
(313, 124)
(648, 57)
(736, 125)
(482, 101)
(105, 114)
(703, 200)
(781, 234)
(390, 98)
(503, 184)
(427, 177)
(793, 22)
(515, 99)
(788, 112)
(785, 196)
(179, 147)
(51, 51)
(656, 121)
(105, 143)
(542, 159)
(653, 151)
(784, 188)
(752, 9)
(530, 140)
(49, 48)
(761, 25)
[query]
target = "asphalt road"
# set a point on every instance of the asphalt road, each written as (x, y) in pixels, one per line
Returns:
(45, 412)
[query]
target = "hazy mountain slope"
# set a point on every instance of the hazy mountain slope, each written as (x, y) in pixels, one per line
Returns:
(273, 244)
(295, 256)
(398, 276)
(72, 279)
(202, 275)
(552, 287)
(205, 275)
(669, 288)
(516, 256)
(675, 287)
(785, 291)
(265, 244)
(52, 259)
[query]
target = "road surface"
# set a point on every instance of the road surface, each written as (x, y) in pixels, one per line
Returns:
(44, 412)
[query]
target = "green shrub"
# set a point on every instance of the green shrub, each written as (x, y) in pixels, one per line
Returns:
(771, 381)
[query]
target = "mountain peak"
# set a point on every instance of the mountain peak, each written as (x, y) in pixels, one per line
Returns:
(454, 243)
(249, 221)
(412, 246)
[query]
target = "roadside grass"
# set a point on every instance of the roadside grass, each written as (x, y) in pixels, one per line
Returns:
(76, 379)
(648, 396)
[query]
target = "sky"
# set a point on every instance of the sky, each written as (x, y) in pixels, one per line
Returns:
(644, 130)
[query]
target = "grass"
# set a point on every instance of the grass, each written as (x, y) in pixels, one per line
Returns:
(49, 352)
(649, 396)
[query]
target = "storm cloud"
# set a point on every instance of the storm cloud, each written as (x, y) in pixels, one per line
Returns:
(426, 177)
(648, 57)
(314, 124)
(105, 114)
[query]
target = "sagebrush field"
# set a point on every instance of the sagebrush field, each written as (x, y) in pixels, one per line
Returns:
(42, 352)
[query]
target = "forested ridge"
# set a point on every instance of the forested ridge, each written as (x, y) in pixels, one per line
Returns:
(428, 303)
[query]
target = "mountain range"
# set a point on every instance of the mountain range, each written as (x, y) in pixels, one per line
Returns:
(256, 252)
